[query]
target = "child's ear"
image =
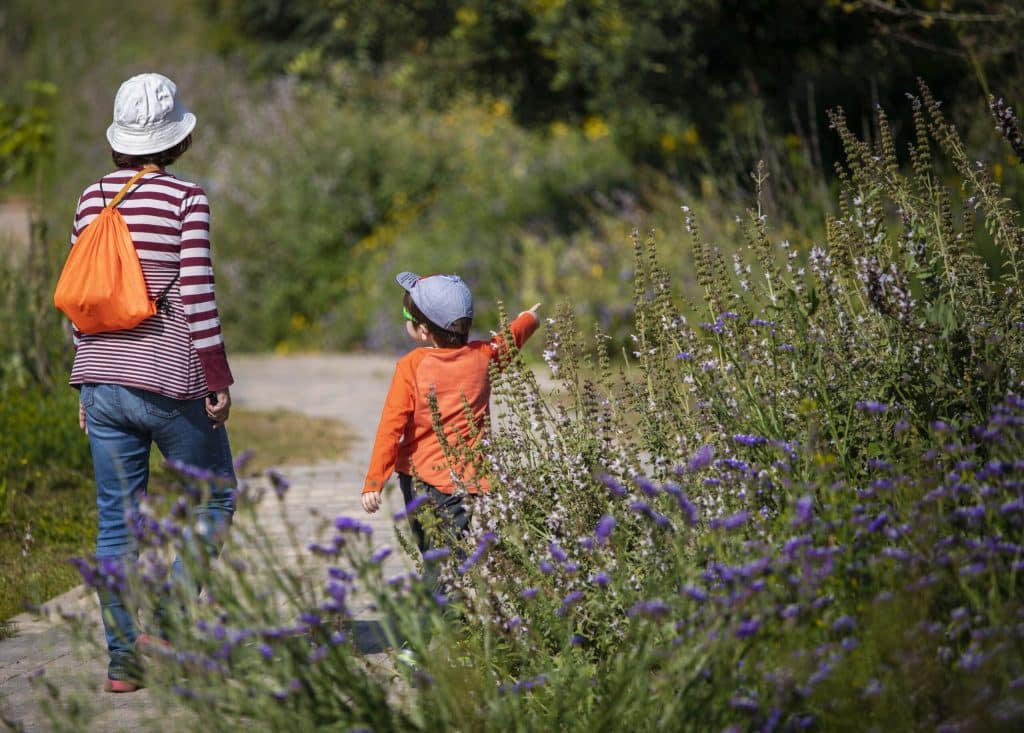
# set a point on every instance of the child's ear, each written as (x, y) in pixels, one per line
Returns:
(418, 332)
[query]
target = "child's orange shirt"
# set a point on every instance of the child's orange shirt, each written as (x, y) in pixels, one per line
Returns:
(406, 441)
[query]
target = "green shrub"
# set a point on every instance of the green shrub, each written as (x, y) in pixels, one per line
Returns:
(314, 219)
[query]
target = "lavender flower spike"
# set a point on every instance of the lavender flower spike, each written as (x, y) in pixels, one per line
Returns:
(731, 522)
(701, 459)
(348, 524)
(278, 481)
(604, 529)
(486, 539)
(411, 507)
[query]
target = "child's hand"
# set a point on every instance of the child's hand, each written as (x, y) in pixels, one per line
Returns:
(533, 311)
(371, 501)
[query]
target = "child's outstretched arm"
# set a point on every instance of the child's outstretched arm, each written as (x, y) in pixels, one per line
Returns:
(522, 327)
(398, 409)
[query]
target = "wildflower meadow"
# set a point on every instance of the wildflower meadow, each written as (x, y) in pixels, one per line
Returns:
(793, 504)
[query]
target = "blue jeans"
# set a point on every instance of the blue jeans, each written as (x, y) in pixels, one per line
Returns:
(123, 424)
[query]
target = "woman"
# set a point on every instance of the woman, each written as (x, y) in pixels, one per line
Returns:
(166, 380)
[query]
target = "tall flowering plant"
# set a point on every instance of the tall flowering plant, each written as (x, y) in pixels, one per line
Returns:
(794, 505)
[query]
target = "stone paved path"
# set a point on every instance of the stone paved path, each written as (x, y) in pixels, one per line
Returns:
(349, 388)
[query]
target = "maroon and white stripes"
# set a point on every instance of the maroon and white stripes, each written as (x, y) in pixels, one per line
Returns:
(179, 353)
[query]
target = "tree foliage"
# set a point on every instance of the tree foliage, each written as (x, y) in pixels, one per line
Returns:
(665, 76)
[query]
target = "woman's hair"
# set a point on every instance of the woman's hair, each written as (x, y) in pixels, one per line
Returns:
(163, 159)
(456, 335)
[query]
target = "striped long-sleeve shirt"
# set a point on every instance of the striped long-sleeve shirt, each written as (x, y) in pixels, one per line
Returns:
(179, 352)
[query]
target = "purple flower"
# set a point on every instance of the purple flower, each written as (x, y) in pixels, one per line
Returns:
(732, 522)
(648, 487)
(1012, 507)
(654, 609)
(614, 486)
(266, 651)
(871, 407)
(750, 440)
(545, 567)
(243, 458)
(745, 704)
(529, 593)
(411, 507)
(188, 470)
(642, 507)
(747, 628)
(701, 459)
(380, 555)
(568, 602)
(436, 554)
(878, 522)
(279, 483)
(695, 593)
(485, 540)
(601, 578)
(804, 511)
(690, 513)
(340, 574)
(843, 623)
(604, 529)
(348, 524)
(557, 553)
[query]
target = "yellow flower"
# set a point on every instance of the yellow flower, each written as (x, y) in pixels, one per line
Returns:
(559, 129)
(595, 128)
(299, 322)
(596, 270)
(691, 137)
(997, 171)
(466, 16)
(499, 108)
(668, 143)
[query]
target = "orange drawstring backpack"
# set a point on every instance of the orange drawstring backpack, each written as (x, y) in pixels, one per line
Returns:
(101, 287)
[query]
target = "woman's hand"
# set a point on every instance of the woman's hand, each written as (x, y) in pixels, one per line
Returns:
(218, 407)
(81, 418)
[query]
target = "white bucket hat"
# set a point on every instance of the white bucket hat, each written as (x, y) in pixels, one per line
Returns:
(148, 117)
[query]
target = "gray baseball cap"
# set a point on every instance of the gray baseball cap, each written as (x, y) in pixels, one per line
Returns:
(443, 299)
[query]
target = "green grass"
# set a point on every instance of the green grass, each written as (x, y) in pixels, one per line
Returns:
(55, 520)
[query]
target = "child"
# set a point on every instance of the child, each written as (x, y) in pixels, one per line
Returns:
(439, 311)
